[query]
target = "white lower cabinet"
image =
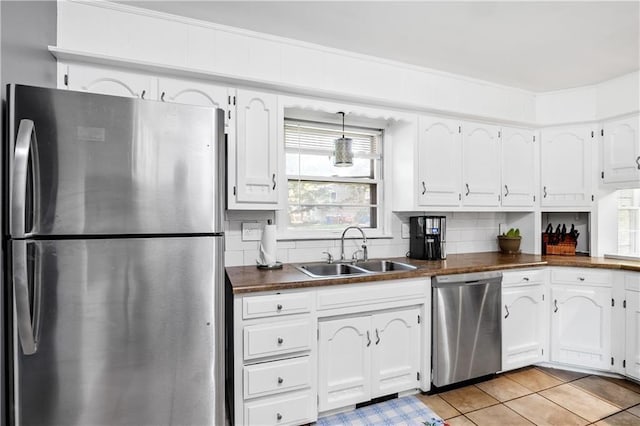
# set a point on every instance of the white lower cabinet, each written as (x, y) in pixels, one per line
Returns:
(581, 325)
(524, 325)
(367, 356)
(632, 323)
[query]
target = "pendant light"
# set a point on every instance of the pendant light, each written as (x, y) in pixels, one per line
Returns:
(343, 154)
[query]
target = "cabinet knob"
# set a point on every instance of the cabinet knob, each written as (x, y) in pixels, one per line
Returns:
(280, 340)
(279, 416)
(581, 278)
(279, 307)
(280, 380)
(525, 278)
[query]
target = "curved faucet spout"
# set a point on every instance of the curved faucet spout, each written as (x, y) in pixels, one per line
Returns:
(364, 242)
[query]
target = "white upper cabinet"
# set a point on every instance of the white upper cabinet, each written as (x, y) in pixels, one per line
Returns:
(621, 150)
(517, 160)
(108, 81)
(480, 165)
(253, 177)
(566, 166)
(439, 162)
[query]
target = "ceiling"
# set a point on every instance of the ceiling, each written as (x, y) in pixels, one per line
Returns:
(538, 46)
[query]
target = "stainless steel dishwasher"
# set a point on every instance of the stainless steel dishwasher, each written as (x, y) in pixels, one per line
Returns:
(467, 328)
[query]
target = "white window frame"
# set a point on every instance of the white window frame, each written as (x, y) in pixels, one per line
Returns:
(635, 242)
(382, 208)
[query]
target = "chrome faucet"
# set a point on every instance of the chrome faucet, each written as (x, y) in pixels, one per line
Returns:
(365, 256)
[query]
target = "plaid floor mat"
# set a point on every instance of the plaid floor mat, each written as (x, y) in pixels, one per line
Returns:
(408, 411)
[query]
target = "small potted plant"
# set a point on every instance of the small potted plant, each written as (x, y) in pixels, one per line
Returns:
(510, 242)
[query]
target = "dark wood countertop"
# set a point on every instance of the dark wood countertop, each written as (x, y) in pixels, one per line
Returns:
(249, 279)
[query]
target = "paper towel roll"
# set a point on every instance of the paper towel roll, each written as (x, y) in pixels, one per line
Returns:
(268, 246)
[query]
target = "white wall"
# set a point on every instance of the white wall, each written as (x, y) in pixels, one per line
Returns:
(466, 233)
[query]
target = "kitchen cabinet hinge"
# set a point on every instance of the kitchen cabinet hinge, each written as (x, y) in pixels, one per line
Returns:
(318, 333)
(543, 297)
(229, 114)
(602, 132)
(624, 304)
(534, 138)
(613, 302)
(593, 198)
(624, 363)
(229, 100)
(66, 80)
(534, 198)
(418, 319)
(459, 129)
(612, 360)
(499, 133)
(592, 134)
(498, 197)
(234, 100)
(234, 190)
(418, 375)
(602, 175)
(542, 351)
(459, 196)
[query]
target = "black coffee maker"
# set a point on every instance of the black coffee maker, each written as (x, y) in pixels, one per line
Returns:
(428, 237)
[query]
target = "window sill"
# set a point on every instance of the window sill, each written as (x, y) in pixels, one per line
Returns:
(353, 234)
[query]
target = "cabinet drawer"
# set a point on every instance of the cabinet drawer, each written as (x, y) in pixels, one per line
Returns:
(365, 294)
(277, 338)
(277, 376)
(581, 276)
(290, 409)
(525, 276)
(632, 281)
(275, 305)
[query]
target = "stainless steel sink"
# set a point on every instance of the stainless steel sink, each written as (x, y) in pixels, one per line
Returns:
(323, 270)
(385, 266)
(327, 270)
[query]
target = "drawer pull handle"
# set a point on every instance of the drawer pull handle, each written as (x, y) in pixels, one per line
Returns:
(525, 278)
(506, 308)
(280, 380)
(279, 416)
(279, 307)
(555, 303)
(280, 340)
(581, 278)
(368, 339)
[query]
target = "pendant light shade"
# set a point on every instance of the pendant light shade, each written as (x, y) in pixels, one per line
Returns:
(343, 151)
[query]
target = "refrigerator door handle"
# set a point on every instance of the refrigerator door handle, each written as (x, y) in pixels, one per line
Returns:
(26, 327)
(26, 132)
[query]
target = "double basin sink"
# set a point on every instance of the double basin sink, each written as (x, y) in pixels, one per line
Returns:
(325, 270)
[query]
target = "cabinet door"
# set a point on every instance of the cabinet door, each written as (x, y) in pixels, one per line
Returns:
(632, 356)
(581, 326)
(108, 81)
(517, 163)
(256, 149)
(621, 150)
(523, 326)
(439, 166)
(480, 165)
(566, 166)
(396, 352)
(344, 362)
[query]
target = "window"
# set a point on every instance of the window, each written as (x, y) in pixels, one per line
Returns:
(324, 198)
(629, 222)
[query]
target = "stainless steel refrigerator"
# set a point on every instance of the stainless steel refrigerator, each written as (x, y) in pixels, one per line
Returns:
(114, 260)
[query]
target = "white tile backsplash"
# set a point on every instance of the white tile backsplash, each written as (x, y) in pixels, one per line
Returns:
(466, 233)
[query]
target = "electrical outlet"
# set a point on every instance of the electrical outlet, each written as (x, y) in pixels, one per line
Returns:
(251, 231)
(404, 230)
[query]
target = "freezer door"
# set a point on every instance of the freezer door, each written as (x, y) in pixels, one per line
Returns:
(87, 164)
(126, 332)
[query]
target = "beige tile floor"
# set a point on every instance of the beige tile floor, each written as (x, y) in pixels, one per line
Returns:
(540, 396)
